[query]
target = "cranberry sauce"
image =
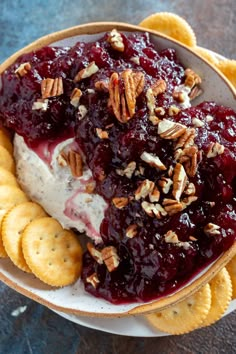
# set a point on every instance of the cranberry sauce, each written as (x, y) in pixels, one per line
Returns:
(166, 170)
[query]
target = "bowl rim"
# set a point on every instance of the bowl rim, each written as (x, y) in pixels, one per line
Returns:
(141, 308)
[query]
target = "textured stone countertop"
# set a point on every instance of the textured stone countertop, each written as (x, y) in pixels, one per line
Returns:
(38, 330)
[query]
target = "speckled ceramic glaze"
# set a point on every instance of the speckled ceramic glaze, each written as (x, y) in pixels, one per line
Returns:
(73, 299)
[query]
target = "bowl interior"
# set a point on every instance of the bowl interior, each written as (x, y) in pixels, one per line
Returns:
(73, 299)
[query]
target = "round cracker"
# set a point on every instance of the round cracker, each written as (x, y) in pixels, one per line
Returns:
(171, 25)
(53, 254)
(6, 177)
(5, 141)
(184, 316)
(228, 68)
(6, 160)
(13, 224)
(221, 295)
(206, 54)
(231, 268)
(10, 196)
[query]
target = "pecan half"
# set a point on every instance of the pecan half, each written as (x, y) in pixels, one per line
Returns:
(152, 160)
(110, 258)
(192, 78)
(170, 130)
(75, 97)
(51, 87)
(88, 71)
(189, 158)
(211, 229)
(97, 255)
(144, 189)
(123, 102)
(75, 162)
(23, 69)
(179, 181)
(93, 279)
(131, 231)
(215, 149)
(120, 202)
(116, 40)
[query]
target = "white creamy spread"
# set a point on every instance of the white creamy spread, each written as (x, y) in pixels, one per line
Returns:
(63, 196)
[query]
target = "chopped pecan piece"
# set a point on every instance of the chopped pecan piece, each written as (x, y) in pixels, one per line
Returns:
(179, 181)
(192, 78)
(97, 255)
(110, 258)
(88, 71)
(160, 111)
(75, 97)
(172, 206)
(165, 183)
(209, 118)
(212, 229)
(82, 111)
(93, 279)
(190, 189)
(171, 237)
(131, 231)
(154, 196)
(144, 189)
(151, 102)
(51, 87)
(192, 238)
(23, 69)
(170, 171)
(215, 149)
(187, 139)
(90, 187)
(153, 210)
(173, 110)
(195, 92)
(120, 202)
(170, 130)
(128, 171)
(62, 159)
(158, 87)
(40, 104)
(116, 40)
(178, 96)
(198, 123)
(155, 120)
(102, 85)
(75, 162)
(152, 160)
(102, 134)
(135, 60)
(189, 200)
(139, 81)
(189, 158)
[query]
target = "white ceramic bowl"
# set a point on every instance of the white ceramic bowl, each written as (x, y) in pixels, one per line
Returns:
(73, 299)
